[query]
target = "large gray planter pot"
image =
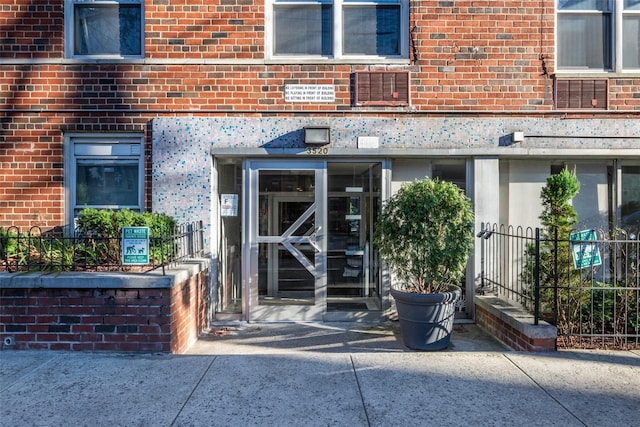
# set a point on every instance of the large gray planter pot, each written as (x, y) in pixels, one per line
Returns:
(426, 320)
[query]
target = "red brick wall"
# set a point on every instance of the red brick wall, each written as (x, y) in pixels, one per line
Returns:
(174, 29)
(30, 29)
(188, 312)
(476, 56)
(146, 320)
(509, 335)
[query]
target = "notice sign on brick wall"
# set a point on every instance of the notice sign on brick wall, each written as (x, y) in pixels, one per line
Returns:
(135, 245)
(309, 93)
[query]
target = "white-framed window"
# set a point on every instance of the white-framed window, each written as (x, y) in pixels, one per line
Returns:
(104, 171)
(598, 35)
(104, 29)
(631, 35)
(630, 197)
(337, 29)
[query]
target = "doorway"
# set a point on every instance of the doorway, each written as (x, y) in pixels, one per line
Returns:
(308, 228)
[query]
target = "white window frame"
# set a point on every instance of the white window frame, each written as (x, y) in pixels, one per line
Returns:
(69, 29)
(619, 36)
(619, 176)
(110, 147)
(617, 11)
(338, 55)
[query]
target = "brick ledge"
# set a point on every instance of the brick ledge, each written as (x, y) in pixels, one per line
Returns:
(108, 279)
(514, 326)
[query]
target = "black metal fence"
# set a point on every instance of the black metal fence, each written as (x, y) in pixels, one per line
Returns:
(587, 285)
(58, 250)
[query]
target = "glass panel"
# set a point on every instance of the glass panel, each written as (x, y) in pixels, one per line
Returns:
(631, 41)
(279, 183)
(289, 219)
(602, 5)
(372, 30)
(630, 209)
(353, 270)
(455, 173)
(107, 183)
(230, 251)
(303, 29)
(632, 4)
(584, 41)
(287, 261)
(282, 279)
(108, 29)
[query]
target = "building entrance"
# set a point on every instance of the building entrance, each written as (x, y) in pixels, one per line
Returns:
(307, 251)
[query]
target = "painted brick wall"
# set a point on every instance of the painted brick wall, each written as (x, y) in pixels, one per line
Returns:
(143, 320)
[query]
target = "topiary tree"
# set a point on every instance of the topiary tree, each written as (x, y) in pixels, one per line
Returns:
(558, 215)
(558, 218)
(425, 235)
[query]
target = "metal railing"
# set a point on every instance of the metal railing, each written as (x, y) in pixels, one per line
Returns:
(56, 250)
(589, 289)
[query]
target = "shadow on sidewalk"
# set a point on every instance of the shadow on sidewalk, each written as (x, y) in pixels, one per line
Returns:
(257, 338)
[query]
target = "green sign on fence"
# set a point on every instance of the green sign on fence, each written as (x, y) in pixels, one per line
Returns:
(585, 253)
(135, 245)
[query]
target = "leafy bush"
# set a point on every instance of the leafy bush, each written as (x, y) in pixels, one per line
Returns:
(103, 228)
(425, 235)
(97, 243)
(610, 309)
(109, 223)
(8, 243)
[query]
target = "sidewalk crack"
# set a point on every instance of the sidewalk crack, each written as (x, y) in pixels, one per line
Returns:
(204, 374)
(547, 392)
(364, 406)
(31, 373)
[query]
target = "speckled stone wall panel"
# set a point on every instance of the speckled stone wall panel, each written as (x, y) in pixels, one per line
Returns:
(181, 172)
(423, 133)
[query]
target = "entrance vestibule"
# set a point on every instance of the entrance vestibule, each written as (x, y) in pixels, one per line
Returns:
(297, 246)
(306, 228)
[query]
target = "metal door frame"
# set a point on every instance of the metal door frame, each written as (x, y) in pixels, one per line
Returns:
(254, 311)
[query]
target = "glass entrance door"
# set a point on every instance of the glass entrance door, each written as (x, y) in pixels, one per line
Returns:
(288, 272)
(309, 228)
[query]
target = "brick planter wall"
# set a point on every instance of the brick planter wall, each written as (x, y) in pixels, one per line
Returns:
(513, 326)
(162, 315)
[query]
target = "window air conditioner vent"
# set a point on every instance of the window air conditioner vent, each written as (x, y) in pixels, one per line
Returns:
(382, 87)
(582, 94)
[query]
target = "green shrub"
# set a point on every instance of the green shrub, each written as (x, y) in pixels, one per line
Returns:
(103, 230)
(610, 309)
(425, 235)
(8, 243)
(109, 223)
(557, 275)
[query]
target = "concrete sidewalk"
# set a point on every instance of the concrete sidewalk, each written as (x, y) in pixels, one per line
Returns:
(321, 375)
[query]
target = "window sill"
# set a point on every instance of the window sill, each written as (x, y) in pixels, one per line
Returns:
(346, 61)
(206, 61)
(596, 74)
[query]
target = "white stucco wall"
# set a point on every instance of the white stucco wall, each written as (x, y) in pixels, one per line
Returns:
(591, 203)
(408, 170)
(525, 178)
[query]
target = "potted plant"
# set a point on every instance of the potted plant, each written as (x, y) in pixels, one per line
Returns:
(424, 234)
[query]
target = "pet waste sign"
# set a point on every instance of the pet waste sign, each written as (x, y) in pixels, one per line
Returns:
(584, 249)
(135, 245)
